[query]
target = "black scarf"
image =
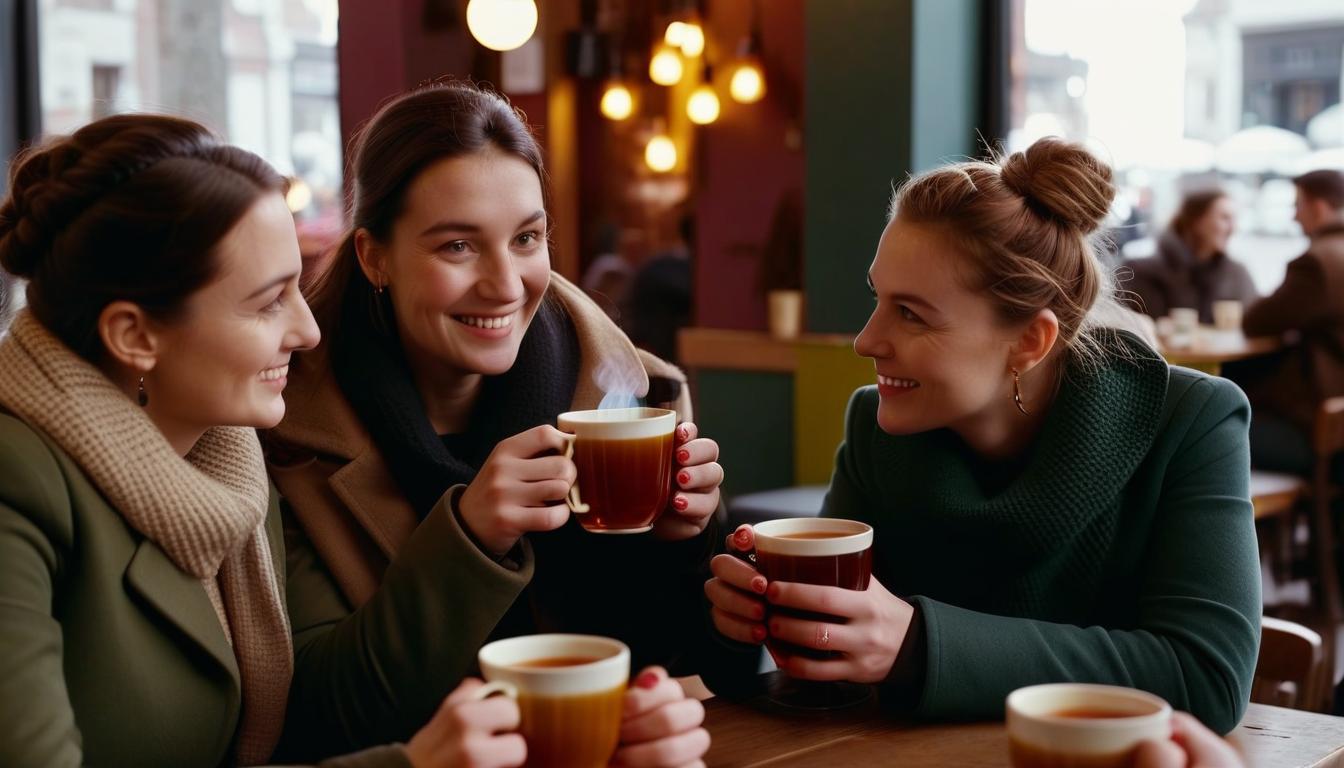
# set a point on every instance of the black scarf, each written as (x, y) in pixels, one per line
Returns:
(372, 371)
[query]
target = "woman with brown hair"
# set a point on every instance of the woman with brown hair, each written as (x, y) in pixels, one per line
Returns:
(1050, 501)
(420, 462)
(142, 593)
(1191, 267)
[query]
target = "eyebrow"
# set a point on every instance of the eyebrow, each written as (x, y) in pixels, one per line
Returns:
(907, 298)
(458, 226)
(277, 281)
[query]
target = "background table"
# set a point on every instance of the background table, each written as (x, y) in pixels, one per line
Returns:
(747, 735)
(1212, 348)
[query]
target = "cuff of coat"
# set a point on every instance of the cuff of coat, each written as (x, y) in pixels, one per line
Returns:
(512, 560)
(441, 538)
(389, 756)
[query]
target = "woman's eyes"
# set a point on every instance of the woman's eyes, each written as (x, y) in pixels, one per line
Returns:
(906, 313)
(456, 246)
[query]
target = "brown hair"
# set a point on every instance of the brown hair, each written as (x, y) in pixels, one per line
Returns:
(130, 207)
(406, 136)
(1024, 222)
(1323, 185)
(1193, 207)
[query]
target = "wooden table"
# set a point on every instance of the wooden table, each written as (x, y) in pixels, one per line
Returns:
(758, 734)
(1212, 348)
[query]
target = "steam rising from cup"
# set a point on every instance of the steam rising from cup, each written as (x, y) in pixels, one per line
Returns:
(621, 384)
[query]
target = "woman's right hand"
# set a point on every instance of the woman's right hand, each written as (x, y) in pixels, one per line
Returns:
(520, 488)
(736, 592)
(469, 733)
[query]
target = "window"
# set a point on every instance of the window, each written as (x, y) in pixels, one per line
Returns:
(261, 73)
(1188, 94)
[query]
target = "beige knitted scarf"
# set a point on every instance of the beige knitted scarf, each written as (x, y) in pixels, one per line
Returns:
(207, 512)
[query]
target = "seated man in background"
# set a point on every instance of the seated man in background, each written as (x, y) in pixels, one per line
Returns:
(1310, 305)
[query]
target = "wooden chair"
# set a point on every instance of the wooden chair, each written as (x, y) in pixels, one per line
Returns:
(1328, 446)
(1291, 671)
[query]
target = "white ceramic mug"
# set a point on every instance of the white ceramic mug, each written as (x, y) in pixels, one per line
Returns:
(624, 458)
(1062, 724)
(1227, 315)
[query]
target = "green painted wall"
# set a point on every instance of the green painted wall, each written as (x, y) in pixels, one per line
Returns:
(750, 415)
(892, 87)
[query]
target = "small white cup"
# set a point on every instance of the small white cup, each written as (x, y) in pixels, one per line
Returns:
(1042, 730)
(1227, 315)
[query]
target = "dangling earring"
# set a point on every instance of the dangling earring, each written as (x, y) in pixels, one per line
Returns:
(1017, 392)
(142, 396)
(378, 289)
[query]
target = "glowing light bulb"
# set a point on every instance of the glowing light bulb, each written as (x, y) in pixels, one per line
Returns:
(299, 195)
(675, 33)
(703, 106)
(661, 154)
(617, 102)
(502, 25)
(665, 67)
(748, 84)
(692, 39)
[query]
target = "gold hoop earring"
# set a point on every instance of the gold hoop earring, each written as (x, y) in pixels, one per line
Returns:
(1017, 392)
(141, 395)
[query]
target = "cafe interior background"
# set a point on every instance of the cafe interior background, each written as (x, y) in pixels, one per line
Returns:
(721, 168)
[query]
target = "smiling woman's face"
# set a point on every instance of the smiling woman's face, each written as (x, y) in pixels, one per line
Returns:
(940, 350)
(467, 263)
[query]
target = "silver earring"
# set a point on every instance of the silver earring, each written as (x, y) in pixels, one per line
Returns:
(1017, 392)
(142, 396)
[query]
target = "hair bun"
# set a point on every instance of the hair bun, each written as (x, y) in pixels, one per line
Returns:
(1063, 181)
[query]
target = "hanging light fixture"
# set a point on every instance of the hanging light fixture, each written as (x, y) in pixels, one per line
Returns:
(676, 32)
(665, 68)
(703, 105)
(617, 101)
(660, 154)
(502, 25)
(747, 83)
(692, 38)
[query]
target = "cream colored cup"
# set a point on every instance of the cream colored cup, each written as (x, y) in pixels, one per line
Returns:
(624, 462)
(571, 712)
(1184, 320)
(1060, 724)
(1227, 315)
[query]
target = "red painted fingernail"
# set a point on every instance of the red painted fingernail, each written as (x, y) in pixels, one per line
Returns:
(684, 478)
(647, 681)
(683, 456)
(758, 584)
(743, 536)
(683, 433)
(681, 503)
(758, 633)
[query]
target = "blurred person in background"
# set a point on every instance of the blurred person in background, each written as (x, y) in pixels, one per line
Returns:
(1191, 267)
(1286, 389)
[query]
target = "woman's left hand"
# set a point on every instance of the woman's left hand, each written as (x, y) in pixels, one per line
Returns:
(695, 486)
(871, 630)
(660, 726)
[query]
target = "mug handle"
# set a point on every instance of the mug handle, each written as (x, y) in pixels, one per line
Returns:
(497, 688)
(572, 499)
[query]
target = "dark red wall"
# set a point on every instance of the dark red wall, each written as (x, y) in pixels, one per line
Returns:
(745, 166)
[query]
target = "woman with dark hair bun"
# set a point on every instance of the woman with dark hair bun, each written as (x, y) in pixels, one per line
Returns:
(142, 594)
(1050, 500)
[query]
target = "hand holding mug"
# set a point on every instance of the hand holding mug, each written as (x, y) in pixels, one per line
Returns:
(737, 591)
(864, 630)
(469, 731)
(661, 725)
(1191, 746)
(520, 488)
(695, 494)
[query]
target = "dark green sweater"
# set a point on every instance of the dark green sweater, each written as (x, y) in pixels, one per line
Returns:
(1122, 550)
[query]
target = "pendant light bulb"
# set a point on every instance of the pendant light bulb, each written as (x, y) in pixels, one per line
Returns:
(703, 106)
(748, 83)
(502, 25)
(665, 68)
(617, 101)
(661, 153)
(692, 39)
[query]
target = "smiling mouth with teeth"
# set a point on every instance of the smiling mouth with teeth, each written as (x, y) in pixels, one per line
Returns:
(275, 374)
(485, 322)
(888, 381)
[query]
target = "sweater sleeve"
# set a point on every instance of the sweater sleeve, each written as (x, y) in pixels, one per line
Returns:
(376, 674)
(1198, 621)
(1300, 302)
